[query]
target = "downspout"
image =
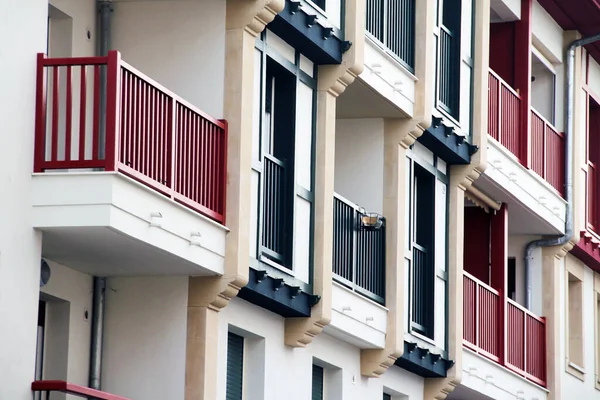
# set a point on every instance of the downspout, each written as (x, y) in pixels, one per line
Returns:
(104, 9)
(97, 333)
(560, 240)
(97, 339)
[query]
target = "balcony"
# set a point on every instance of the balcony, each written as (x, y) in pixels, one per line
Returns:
(504, 125)
(487, 314)
(358, 252)
(392, 24)
(71, 389)
(359, 274)
(121, 166)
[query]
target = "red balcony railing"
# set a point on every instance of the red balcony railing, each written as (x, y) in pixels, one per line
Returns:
(526, 343)
(504, 114)
(547, 151)
(524, 351)
(132, 125)
(504, 124)
(71, 389)
(482, 311)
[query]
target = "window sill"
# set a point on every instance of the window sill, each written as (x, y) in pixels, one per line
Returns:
(575, 370)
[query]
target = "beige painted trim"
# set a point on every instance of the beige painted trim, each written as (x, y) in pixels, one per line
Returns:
(574, 340)
(481, 199)
(397, 133)
(206, 296)
(333, 80)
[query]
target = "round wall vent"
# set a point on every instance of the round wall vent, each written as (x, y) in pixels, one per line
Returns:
(44, 273)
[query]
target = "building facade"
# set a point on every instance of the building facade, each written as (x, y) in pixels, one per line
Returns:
(324, 199)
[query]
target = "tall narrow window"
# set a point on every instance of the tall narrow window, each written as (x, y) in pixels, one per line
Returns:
(387, 396)
(593, 177)
(449, 58)
(235, 367)
(278, 151)
(423, 277)
(317, 382)
(512, 279)
(575, 324)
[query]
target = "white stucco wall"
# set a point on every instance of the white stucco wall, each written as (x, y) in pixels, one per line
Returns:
(180, 44)
(81, 16)
(19, 244)
(516, 249)
(67, 333)
(547, 34)
(145, 337)
(359, 162)
(288, 370)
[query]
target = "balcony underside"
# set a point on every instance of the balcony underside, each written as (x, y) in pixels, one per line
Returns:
(309, 34)
(274, 294)
(447, 144)
(106, 224)
(483, 379)
(535, 207)
(579, 15)
(588, 250)
(357, 320)
(422, 362)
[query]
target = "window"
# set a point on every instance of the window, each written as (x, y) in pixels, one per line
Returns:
(387, 396)
(283, 159)
(317, 382)
(235, 367)
(593, 177)
(423, 235)
(278, 158)
(512, 279)
(543, 86)
(449, 58)
(575, 318)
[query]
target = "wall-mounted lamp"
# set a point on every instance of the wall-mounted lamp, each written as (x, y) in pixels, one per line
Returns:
(371, 221)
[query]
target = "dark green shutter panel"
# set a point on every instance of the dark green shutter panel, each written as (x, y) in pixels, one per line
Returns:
(317, 383)
(387, 396)
(235, 366)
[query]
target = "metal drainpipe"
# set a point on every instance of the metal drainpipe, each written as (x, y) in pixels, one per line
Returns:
(105, 9)
(560, 240)
(97, 339)
(97, 333)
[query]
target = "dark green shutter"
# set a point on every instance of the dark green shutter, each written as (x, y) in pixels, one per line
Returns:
(387, 396)
(235, 366)
(317, 383)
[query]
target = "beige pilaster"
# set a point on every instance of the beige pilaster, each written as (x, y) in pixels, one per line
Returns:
(244, 21)
(333, 80)
(399, 135)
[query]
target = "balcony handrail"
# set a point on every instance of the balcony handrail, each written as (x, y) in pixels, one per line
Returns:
(163, 166)
(74, 61)
(548, 123)
(348, 202)
(72, 389)
(502, 82)
(526, 311)
(445, 29)
(169, 93)
(480, 283)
